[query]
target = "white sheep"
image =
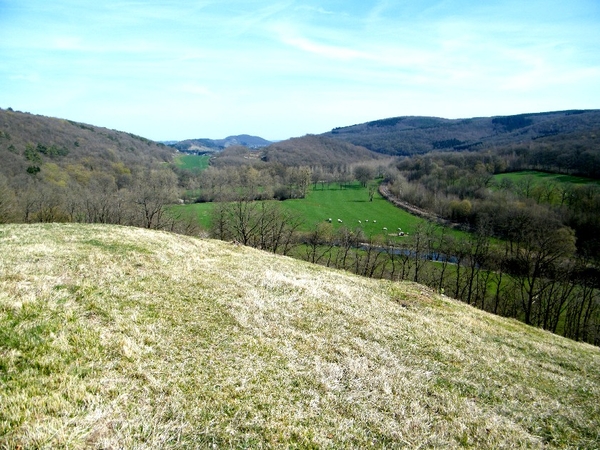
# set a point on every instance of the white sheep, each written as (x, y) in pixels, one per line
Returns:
(340, 220)
(384, 228)
(374, 221)
(359, 221)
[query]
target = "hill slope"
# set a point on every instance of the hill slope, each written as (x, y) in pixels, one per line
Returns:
(56, 170)
(123, 337)
(413, 135)
(311, 150)
(64, 142)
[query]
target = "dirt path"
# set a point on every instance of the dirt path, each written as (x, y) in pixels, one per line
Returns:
(385, 192)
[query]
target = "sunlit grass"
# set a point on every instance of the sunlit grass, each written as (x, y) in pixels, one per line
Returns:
(114, 337)
(192, 162)
(539, 177)
(350, 204)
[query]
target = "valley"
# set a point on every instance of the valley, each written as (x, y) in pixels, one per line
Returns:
(484, 318)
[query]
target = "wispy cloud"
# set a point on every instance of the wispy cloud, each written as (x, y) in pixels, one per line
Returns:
(321, 49)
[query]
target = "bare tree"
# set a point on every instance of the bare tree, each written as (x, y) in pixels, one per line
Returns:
(363, 174)
(153, 191)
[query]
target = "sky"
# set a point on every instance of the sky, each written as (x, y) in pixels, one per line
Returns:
(174, 69)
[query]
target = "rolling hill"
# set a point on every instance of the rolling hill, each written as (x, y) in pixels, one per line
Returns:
(312, 150)
(56, 170)
(117, 337)
(415, 135)
(28, 140)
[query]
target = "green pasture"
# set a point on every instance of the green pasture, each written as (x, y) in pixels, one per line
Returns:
(192, 162)
(199, 211)
(539, 177)
(350, 204)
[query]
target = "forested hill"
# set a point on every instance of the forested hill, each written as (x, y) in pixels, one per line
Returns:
(415, 135)
(55, 170)
(314, 150)
(30, 142)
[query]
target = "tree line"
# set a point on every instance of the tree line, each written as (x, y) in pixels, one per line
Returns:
(138, 198)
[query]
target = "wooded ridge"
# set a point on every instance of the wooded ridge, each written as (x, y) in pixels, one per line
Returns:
(416, 135)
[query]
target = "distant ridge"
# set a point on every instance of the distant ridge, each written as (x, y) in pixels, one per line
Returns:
(408, 135)
(204, 145)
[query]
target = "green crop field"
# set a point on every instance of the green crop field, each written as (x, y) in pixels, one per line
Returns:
(192, 162)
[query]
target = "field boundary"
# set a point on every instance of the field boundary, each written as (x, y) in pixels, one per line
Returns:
(412, 209)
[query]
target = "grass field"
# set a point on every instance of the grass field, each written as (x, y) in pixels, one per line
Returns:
(352, 204)
(192, 162)
(543, 177)
(349, 204)
(117, 337)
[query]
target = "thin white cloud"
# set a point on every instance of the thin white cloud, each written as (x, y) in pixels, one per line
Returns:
(376, 13)
(328, 51)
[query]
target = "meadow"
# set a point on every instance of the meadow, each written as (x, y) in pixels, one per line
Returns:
(349, 203)
(192, 162)
(538, 177)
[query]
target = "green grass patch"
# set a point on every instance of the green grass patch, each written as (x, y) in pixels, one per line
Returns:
(192, 162)
(539, 177)
(351, 205)
(199, 212)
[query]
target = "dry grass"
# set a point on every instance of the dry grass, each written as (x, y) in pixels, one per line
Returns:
(114, 337)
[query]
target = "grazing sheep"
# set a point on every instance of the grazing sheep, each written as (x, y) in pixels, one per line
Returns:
(384, 228)
(329, 220)
(340, 220)
(374, 221)
(366, 220)
(359, 221)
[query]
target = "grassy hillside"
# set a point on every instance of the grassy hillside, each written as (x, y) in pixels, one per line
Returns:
(115, 337)
(541, 177)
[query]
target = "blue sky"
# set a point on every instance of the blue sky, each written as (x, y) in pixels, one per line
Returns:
(187, 69)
